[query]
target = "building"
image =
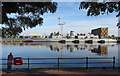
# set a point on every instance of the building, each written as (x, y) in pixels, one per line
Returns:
(31, 36)
(81, 36)
(55, 35)
(87, 36)
(101, 32)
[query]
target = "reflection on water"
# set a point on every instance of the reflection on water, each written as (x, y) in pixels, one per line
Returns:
(100, 49)
(67, 50)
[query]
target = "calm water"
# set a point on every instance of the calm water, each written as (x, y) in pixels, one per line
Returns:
(55, 50)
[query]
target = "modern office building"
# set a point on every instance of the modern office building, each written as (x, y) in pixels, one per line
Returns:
(101, 32)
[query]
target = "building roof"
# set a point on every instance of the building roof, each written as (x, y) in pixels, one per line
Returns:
(99, 28)
(33, 35)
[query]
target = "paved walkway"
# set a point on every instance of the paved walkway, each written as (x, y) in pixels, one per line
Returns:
(63, 73)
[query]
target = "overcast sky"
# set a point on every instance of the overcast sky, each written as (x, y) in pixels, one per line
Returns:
(75, 19)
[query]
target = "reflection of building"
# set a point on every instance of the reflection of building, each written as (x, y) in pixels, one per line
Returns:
(56, 47)
(72, 47)
(104, 50)
(101, 32)
(101, 50)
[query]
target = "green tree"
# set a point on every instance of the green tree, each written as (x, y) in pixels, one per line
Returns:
(97, 8)
(8, 32)
(28, 15)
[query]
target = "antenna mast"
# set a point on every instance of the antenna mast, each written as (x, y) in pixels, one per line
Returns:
(61, 24)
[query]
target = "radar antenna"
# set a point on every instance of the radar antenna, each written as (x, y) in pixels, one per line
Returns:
(61, 24)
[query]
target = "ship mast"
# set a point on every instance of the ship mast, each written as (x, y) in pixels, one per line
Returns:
(61, 24)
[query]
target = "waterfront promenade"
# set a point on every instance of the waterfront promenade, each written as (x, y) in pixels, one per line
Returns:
(103, 71)
(39, 72)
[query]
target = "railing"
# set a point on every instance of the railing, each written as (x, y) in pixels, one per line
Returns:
(58, 61)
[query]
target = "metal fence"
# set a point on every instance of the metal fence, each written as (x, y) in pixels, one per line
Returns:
(87, 61)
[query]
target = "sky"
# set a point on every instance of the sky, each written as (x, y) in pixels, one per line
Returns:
(75, 20)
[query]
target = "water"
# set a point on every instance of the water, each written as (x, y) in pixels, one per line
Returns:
(55, 50)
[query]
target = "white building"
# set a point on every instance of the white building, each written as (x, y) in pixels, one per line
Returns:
(55, 35)
(33, 36)
(88, 36)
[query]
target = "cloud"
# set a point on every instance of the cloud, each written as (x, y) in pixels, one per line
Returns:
(87, 25)
(79, 26)
(75, 20)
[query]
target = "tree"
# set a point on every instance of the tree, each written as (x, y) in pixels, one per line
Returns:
(28, 15)
(97, 8)
(8, 32)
